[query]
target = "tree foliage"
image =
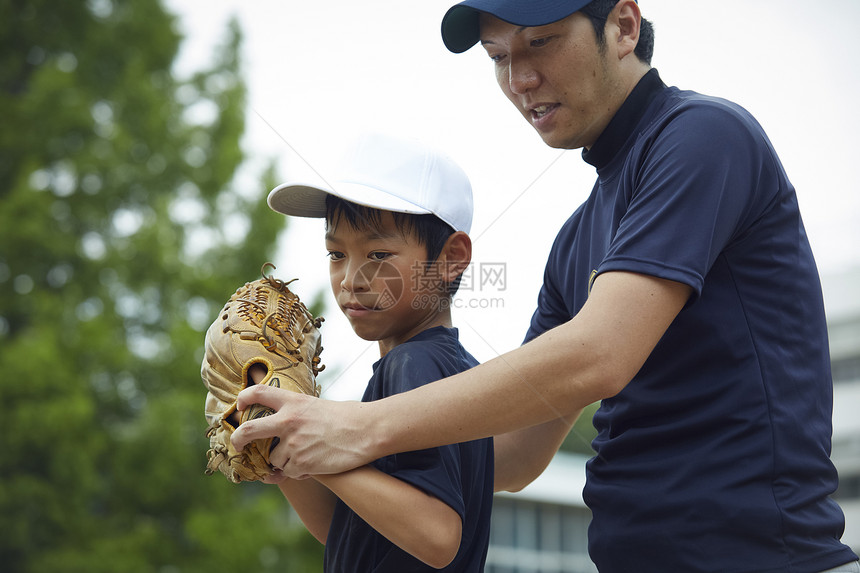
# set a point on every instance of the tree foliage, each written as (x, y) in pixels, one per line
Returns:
(122, 232)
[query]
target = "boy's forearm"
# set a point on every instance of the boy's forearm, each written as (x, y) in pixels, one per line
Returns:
(521, 456)
(420, 524)
(314, 504)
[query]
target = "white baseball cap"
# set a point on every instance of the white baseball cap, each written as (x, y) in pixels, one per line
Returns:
(390, 174)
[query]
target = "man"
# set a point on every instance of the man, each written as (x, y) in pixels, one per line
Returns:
(682, 294)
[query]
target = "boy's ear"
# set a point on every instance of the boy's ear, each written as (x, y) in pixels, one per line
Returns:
(456, 255)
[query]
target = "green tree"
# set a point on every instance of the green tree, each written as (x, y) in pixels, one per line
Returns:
(122, 232)
(578, 441)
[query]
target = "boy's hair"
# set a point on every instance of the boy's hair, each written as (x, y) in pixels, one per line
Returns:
(598, 11)
(429, 230)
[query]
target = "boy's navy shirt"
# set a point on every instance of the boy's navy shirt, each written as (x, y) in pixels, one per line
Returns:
(461, 475)
(715, 457)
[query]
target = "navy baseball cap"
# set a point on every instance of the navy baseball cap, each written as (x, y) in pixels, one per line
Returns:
(460, 24)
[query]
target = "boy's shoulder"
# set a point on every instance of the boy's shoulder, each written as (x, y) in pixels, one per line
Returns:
(436, 342)
(437, 335)
(428, 356)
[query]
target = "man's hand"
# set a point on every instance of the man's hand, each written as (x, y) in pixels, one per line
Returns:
(314, 436)
(591, 357)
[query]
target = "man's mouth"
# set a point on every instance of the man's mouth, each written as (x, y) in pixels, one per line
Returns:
(541, 110)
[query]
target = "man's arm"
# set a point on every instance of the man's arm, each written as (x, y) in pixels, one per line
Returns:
(591, 357)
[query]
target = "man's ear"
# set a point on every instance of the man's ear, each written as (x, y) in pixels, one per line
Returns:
(627, 19)
(455, 256)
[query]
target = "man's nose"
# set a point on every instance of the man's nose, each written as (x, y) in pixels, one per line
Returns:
(522, 76)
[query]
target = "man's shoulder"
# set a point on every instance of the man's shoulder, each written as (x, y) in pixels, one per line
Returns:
(689, 127)
(706, 110)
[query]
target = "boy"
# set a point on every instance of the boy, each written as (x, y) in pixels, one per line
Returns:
(396, 234)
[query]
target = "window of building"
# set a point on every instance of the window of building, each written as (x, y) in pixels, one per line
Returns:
(531, 537)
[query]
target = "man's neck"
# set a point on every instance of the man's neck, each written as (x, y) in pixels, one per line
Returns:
(626, 117)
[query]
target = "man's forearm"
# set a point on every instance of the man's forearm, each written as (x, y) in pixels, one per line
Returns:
(555, 376)
(522, 388)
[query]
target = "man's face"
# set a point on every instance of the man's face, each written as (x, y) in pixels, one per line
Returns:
(557, 76)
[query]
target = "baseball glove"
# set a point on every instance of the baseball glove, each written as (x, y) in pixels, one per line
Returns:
(262, 323)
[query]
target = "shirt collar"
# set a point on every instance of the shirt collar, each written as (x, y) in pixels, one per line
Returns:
(621, 126)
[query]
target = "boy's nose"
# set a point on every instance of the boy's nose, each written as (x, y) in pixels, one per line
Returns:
(355, 280)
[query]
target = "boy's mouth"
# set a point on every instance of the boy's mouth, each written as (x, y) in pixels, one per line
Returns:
(356, 309)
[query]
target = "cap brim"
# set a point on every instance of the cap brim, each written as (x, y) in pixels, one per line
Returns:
(298, 199)
(306, 200)
(460, 26)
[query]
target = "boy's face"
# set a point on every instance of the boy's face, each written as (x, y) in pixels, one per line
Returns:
(382, 283)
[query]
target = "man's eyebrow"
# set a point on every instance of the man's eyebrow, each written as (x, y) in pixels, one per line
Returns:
(517, 31)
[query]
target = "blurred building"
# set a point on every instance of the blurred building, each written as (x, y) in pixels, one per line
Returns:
(543, 529)
(842, 302)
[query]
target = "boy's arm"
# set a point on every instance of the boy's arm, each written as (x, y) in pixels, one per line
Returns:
(591, 357)
(417, 522)
(313, 502)
(430, 529)
(522, 455)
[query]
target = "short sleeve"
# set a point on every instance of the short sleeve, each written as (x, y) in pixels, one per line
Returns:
(696, 186)
(435, 470)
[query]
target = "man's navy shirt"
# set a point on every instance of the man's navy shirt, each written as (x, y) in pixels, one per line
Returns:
(715, 457)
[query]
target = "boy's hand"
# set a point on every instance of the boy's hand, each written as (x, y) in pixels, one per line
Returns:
(315, 436)
(275, 477)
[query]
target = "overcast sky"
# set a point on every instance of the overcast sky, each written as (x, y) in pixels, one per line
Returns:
(320, 72)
